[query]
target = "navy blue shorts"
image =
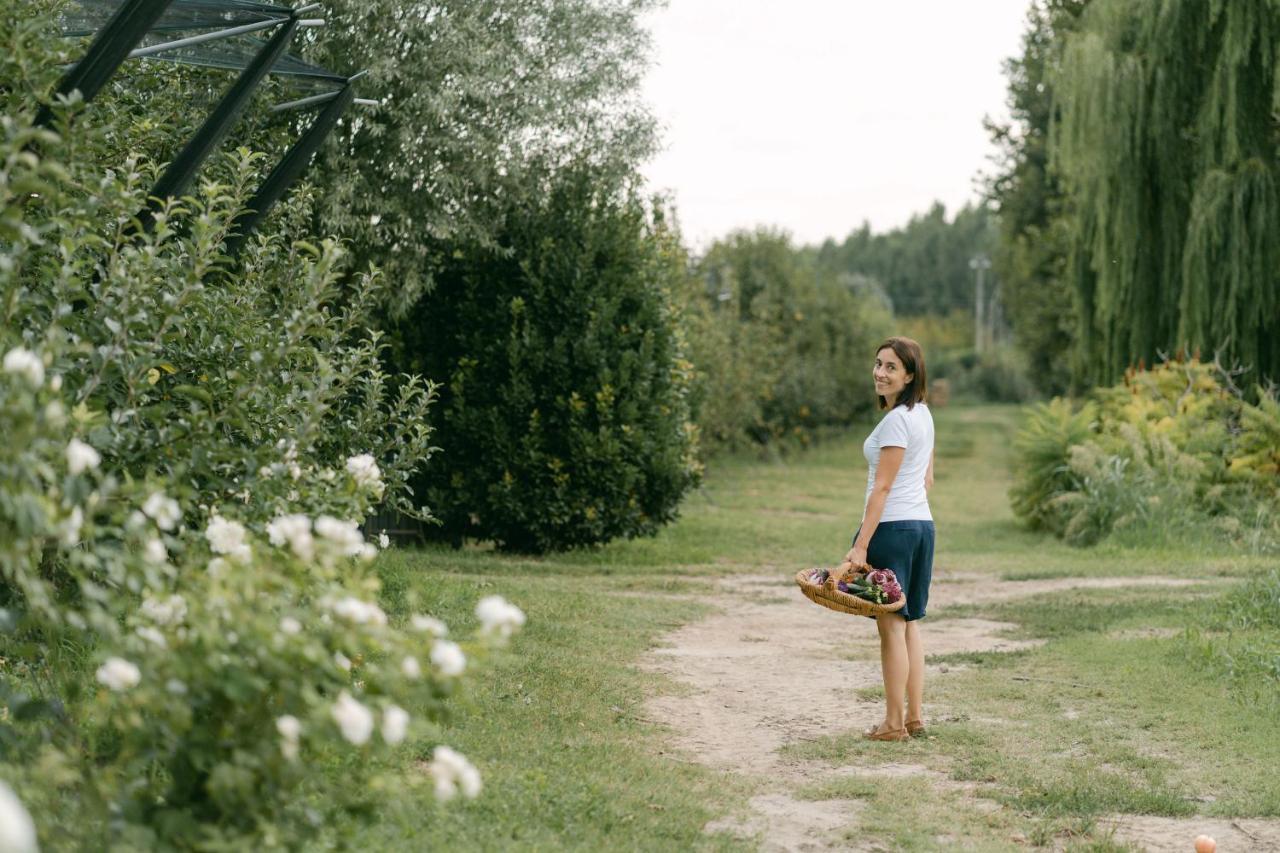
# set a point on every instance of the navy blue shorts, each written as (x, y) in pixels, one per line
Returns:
(907, 548)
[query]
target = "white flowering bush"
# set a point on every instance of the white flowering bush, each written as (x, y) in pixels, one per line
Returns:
(189, 622)
(252, 673)
(237, 675)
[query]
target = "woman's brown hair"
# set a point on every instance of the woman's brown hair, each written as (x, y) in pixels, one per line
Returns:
(912, 358)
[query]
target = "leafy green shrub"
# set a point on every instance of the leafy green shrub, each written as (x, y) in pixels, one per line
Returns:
(203, 722)
(997, 375)
(566, 402)
(1042, 448)
(188, 627)
(1170, 454)
(780, 353)
(737, 365)
(1150, 484)
(828, 336)
(257, 380)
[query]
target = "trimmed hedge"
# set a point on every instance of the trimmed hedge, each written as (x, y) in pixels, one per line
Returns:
(564, 412)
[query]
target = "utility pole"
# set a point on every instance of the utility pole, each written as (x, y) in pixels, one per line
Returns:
(979, 264)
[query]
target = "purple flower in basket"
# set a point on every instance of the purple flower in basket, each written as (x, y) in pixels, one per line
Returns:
(882, 577)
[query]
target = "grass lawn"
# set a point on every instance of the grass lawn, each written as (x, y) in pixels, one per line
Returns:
(1124, 708)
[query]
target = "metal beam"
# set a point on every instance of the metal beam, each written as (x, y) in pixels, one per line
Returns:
(184, 166)
(290, 167)
(110, 47)
(201, 38)
(309, 101)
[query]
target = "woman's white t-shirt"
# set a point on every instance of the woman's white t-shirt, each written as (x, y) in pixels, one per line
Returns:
(912, 429)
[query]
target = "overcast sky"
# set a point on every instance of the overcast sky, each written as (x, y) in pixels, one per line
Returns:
(815, 115)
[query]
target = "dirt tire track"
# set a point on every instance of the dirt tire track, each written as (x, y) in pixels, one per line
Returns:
(763, 672)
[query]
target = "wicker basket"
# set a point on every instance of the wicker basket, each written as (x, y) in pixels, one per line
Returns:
(828, 596)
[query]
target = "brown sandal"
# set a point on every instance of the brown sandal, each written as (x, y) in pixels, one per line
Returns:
(915, 728)
(888, 734)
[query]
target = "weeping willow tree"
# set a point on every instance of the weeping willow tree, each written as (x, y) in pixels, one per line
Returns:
(1166, 142)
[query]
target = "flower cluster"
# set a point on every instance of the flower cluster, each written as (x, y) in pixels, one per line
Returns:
(81, 457)
(453, 772)
(228, 538)
(499, 618)
(329, 539)
(119, 674)
(17, 829)
(25, 363)
(364, 470)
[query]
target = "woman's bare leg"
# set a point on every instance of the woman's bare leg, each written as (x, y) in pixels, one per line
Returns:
(915, 675)
(895, 665)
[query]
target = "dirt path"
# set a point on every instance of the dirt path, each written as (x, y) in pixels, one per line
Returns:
(763, 674)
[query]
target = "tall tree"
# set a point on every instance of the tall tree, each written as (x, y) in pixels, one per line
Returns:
(478, 99)
(1030, 256)
(1167, 149)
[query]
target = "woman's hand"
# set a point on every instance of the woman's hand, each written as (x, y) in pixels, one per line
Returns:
(857, 555)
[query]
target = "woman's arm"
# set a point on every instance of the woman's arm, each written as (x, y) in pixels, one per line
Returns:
(886, 471)
(928, 474)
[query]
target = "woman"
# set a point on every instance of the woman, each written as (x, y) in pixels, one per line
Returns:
(897, 528)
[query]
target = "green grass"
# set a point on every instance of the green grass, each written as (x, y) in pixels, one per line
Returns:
(1127, 706)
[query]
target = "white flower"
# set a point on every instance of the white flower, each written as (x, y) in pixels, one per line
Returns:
(170, 611)
(429, 625)
(359, 612)
(81, 457)
(498, 617)
(290, 626)
(152, 635)
(17, 830)
(368, 553)
(448, 658)
(118, 674)
(164, 510)
(290, 729)
(227, 537)
(342, 661)
(452, 771)
(55, 383)
(294, 530)
(264, 472)
(23, 362)
(176, 687)
(155, 552)
(217, 566)
(384, 541)
(354, 719)
(410, 667)
(70, 527)
(345, 535)
(364, 470)
(395, 724)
